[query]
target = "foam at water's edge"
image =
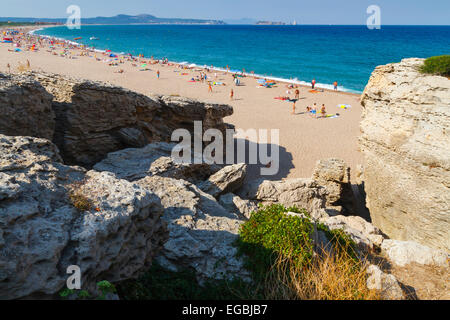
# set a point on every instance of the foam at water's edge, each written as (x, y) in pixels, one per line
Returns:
(284, 80)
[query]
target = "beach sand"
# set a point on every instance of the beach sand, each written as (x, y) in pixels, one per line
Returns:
(303, 140)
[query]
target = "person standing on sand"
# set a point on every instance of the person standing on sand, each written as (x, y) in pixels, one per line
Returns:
(210, 87)
(313, 84)
(231, 94)
(158, 74)
(335, 86)
(323, 111)
(297, 94)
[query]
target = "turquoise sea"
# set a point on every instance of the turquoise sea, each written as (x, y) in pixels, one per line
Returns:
(347, 54)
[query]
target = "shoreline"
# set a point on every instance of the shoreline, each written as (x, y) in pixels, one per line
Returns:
(303, 139)
(302, 83)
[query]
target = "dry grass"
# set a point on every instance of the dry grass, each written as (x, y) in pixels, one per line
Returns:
(23, 68)
(329, 276)
(77, 197)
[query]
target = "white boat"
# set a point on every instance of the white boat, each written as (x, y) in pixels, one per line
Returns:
(94, 38)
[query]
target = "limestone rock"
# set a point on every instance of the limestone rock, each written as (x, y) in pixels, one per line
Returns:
(405, 140)
(234, 203)
(362, 232)
(201, 232)
(334, 175)
(153, 159)
(94, 118)
(42, 233)
(387, 284)
(229, 179)
(26, 108)
(402, 253)
(302, 193)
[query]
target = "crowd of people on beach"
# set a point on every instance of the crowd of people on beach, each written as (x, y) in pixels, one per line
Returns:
(21, 40)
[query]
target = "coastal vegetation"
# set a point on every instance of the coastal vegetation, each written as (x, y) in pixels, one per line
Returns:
(77, 197)
(16, 24)
(439, 65)
(279, 252)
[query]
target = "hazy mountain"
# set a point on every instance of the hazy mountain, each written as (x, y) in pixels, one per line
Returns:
(240, 21)
(120, 19)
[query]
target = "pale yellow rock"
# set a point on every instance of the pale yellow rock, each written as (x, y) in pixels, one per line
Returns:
(406, 143)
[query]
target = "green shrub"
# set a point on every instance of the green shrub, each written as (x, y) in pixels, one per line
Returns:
(270, 232)
(278, 250)
(105, 287)
(439, 65)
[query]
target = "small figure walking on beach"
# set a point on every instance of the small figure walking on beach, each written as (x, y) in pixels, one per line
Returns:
(231, 94)
(9, 68)
(210, 87)
(158, 74)
(313, 84)
(293, 107)
(297, 94)
(335, 86)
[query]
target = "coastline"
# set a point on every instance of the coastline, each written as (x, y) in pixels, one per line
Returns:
(295, 81)
(303, 139)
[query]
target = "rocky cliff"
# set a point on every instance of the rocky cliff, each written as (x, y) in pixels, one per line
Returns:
(26, 107)
(406, 142)
(87, 120)
(46, 224)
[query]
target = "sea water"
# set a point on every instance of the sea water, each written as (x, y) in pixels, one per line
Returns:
(346, 54)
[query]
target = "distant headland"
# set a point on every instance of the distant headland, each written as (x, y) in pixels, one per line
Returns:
(120, 19)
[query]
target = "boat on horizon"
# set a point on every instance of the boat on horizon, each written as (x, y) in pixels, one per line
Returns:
(94, 38)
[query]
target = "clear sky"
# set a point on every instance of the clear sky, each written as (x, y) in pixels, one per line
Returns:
(419, 12)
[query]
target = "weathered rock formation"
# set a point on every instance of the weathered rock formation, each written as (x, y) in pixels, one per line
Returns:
(387, 284)
(26, 108)
(334, 175)
(236, 204)
(402, 253)
(94, 119)
(363, 233)
(42, 233)
(154, 159)
(201, 232)
(405, 140)
(229, 179)
(302, 193)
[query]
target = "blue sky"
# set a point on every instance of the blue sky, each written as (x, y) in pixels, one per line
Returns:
(303, 11)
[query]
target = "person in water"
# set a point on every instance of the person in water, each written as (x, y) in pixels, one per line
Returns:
(335, 86)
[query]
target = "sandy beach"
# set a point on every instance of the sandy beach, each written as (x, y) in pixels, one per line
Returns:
(303, 139)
